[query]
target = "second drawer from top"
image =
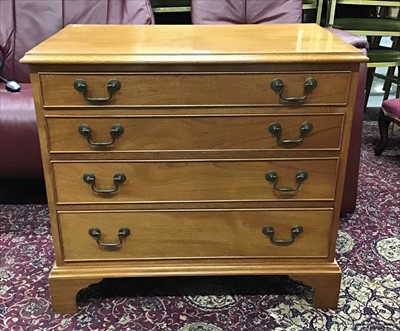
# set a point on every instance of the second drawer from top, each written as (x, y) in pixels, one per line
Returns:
(195, 133)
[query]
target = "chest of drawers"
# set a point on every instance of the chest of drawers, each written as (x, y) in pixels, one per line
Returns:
(194, 150)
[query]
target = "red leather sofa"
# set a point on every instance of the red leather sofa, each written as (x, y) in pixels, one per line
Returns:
(23, 25)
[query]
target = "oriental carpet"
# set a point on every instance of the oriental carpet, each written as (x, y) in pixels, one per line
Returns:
(368, 251)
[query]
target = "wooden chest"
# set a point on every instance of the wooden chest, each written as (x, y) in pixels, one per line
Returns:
(194, 150)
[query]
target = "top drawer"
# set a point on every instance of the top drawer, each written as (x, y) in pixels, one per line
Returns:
(193, 89)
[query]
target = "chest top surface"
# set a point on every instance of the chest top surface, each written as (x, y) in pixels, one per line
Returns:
(135, 44)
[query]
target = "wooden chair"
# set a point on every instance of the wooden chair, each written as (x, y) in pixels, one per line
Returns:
(315, 7)
(171, 6)
(390, 112)
(377, 25)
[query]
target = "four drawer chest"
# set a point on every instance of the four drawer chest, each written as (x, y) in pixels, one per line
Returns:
(194, 150)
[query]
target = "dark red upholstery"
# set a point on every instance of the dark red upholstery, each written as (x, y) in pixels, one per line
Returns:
(390, 112)
(19, 141)
(391, 108)
(290, 11)
(23, 25)
(246, 11)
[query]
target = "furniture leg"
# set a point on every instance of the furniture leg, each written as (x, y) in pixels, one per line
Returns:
(64, 290)
(326, 288)
(389, 80)
(384, 123)
(368, 85)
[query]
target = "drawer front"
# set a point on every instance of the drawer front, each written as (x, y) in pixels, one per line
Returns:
(190, 181)
(86, 134)
(180, 89)
(194, 234)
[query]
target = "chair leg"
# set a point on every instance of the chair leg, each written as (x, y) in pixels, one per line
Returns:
(368, 85)
(398, 79)
(388, 82)
(384, 123)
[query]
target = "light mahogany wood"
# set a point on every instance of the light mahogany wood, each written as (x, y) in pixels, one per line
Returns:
(326, 287)
(195, 133)
(63, 291)
(195, 104)
(325, 278)
(143, 89)
(274, 43)
(195, 234)
(196, 180)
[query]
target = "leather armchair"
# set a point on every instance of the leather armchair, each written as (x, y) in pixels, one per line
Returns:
(246, 11)
(23, 25)
(390, 112)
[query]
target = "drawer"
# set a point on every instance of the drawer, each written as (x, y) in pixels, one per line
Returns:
(185, 89)
(188, 181)
(194, 133)
(194, 234)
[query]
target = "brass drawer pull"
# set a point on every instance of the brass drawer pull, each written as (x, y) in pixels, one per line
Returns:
(91, 180)
(272, 177)
(279, 86)
(113, 86)
(269, 231)
(122, 233)
(116, 131)
(275, 128)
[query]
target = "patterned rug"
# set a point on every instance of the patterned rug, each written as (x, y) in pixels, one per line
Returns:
(368, 252)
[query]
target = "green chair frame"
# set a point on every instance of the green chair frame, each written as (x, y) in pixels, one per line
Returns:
(374, 28)
(171, 6)
(315, 5)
